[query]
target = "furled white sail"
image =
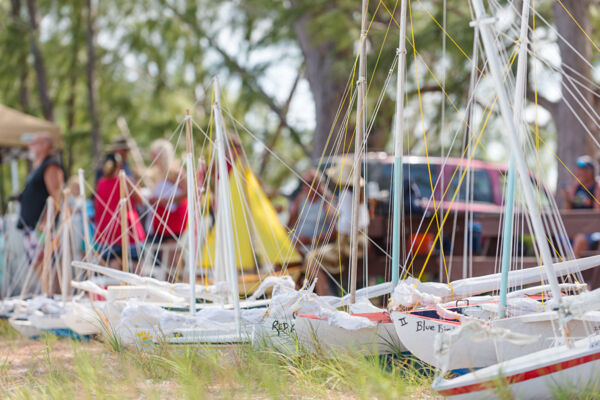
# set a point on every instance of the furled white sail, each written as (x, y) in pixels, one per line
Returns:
(411, 292)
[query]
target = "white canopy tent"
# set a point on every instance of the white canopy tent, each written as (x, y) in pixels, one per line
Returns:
(17, 128)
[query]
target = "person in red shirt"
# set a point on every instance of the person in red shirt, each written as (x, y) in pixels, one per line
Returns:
(108, 218)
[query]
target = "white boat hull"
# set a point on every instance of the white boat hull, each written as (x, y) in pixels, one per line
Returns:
(316, 334)
(47, 322)
(277, 333)
(535, 376)
(82, 320)
(417, 333)
(216, 337)
(52, 323)
(25, 327)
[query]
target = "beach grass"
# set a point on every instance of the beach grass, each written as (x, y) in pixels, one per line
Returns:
(52, 368)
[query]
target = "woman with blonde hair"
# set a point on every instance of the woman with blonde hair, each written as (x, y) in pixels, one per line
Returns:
(168, 197)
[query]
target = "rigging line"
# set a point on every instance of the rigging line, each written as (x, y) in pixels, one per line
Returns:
(436, 79)
(555, 225)
(364, 104)
(448, 98)
(440, 26)
(551, 28)
(409, 254)
(295, 173)
(246, 212)
(152, 207)
(406, 269)
(207, 198)
(174, 133)
(349, 88)
(464, 120)
(367, 91)
(465, 151)
(412, 33)
(584, 81)
(588, 109)
(456, 192)
(579, 26)
(535, 88)
(251, 134)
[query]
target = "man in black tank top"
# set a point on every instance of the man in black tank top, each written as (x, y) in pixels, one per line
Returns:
(45, 180)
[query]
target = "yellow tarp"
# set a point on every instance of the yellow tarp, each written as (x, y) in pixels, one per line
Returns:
(259, 236)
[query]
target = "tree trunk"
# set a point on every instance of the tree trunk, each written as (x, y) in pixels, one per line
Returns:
(266, 153)
(73, 74)
(570, 119)
(38, 62)
(326, 86)
(20, 34)
(91, 85)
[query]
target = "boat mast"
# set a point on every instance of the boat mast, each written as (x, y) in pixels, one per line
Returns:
(398, 147)
(124, 223)
(66, 248)
(224, 221)
(507, 229)
(84, 215)
(485, 26)
(191, 203)
(358, 144)
(47, 246)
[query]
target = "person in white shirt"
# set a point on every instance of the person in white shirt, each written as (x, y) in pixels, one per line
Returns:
(333, 257)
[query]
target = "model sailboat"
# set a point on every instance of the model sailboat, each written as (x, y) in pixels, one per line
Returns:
(535, 374)
(366, 328)
(246, 233)
(419, 324)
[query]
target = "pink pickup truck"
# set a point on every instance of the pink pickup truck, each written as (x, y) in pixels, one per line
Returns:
(487, 180)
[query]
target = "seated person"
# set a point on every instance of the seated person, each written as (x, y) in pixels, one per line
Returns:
(107, 217)
(169, 199)
(332, 257)
(584, 193)
(311, 217)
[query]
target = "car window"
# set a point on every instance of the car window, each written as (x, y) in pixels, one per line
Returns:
(480, 182)
(382, 174)
(417, 173)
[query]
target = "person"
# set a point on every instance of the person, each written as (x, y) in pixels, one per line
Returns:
(584, 193)
(121, 147)
(107, 214)
(331, 257)
(311, 220)
(169, 198)
(46, 180)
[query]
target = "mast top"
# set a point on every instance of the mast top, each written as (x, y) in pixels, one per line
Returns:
(188, 132)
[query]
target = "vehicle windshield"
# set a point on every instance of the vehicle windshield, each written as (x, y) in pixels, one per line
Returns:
(479, 182)
(416, 173)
